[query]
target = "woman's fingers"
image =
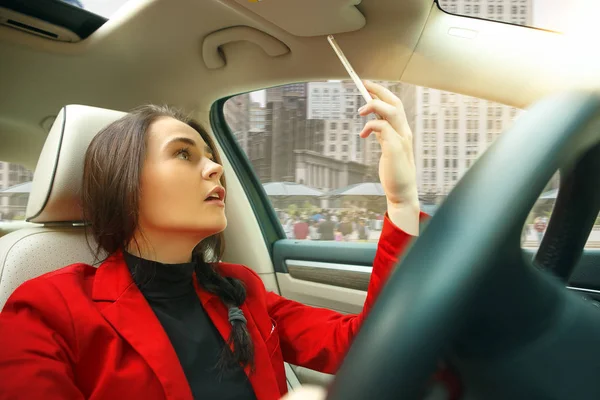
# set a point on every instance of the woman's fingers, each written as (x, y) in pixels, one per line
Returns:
(388, 139)
(376, 125)
(387, 105)
(377, 106)
(382, 93)
(388, 112)
(383, 127)
(386, 135)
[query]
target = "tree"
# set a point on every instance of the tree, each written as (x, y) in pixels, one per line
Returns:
(309, 207)
(292, 209)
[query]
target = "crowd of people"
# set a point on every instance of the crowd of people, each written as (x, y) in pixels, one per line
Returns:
(343, 225)
(335, 225)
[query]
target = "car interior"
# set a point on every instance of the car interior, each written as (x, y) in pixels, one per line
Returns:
(511, 322)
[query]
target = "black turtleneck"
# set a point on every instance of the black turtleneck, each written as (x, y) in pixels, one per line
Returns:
(169, 290)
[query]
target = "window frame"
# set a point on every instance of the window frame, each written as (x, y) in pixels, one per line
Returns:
(271, 229)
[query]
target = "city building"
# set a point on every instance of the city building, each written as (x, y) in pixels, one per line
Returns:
(340, 140)
(290, 130)
(285, 116)
(236, 111)
(325, 173)
(11, 175)
(279, 128)
(285, 146)
(368, 151)
(259, 153)
(337, 104)
(513, 11)
(451, 132)
(258, 116)
(324, 100)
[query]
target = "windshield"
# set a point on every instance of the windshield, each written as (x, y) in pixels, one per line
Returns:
(555, 15)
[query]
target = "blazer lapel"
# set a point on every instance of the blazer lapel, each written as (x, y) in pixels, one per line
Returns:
(132, 317)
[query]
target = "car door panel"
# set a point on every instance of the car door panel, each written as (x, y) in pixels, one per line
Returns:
(324, 273)
(341, 275)
(339, 280)
(336, 276)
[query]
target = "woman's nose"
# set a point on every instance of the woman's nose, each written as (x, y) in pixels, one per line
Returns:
(212, 170)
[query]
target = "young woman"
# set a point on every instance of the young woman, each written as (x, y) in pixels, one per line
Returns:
(162, 317)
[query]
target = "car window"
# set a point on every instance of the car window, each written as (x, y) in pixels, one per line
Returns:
(556, 15)
(322, 179)
(15, 186)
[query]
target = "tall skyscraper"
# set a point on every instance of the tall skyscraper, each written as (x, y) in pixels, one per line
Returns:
(360, 150)
(279, 129)
(260, 153)
(337, 103)
(287, 116)
(257, 116)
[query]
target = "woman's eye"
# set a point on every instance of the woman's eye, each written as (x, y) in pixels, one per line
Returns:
(183, 154)
(211, 157)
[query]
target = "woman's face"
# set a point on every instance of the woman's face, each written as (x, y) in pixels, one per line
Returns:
(180, 185)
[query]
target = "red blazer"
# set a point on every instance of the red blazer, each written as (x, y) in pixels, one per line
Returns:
(84, 332)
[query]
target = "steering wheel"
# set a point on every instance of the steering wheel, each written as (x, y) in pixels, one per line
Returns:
(466, 293)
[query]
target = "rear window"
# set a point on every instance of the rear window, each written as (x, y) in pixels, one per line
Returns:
(15, 186)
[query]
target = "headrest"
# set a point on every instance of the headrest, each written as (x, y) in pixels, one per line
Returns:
(57, 178)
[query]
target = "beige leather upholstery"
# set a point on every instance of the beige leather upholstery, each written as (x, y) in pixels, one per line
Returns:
(31, 252)
(310, 17)
(54, 202)
(215, 57)
(57, 177)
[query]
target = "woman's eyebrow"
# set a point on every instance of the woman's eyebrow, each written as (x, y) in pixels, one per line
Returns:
(191, 142)
(185, 140)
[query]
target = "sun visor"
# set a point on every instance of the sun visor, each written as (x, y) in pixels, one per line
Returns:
(309, 17)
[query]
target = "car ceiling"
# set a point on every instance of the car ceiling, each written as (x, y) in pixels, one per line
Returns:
(151, 51)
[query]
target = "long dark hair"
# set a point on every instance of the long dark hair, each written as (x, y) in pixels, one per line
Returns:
(110, 198)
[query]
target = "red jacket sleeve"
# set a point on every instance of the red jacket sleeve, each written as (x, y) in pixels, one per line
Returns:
(318, 338)
(35, 358)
